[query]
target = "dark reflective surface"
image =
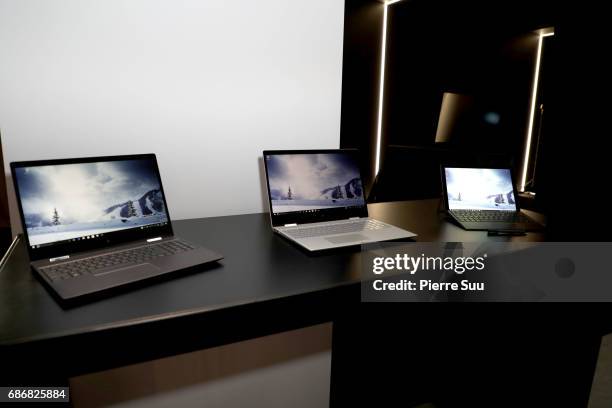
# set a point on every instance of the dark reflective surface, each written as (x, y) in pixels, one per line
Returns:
(258, 265)
(264, 285)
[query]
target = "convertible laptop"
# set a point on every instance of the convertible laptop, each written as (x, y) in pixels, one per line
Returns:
(317, 200)
(484, 199)
(97, 223)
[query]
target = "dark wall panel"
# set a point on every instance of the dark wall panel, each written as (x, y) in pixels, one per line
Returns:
(360, 73)
(484, 49)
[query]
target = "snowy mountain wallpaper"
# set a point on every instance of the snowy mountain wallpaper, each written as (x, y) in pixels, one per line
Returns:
(479, 189)
(302, 182)
(70, 201)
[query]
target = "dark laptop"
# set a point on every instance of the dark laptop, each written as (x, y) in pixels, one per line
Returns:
(484, 199)
(97, 223)
(317, 200)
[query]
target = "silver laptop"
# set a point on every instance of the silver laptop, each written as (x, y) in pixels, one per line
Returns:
(317, 200)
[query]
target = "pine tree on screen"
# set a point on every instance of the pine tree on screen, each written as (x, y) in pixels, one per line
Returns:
(131, 210)
(55, 218)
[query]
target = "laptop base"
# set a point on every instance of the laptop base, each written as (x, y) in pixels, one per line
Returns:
(106, 279)
(498, 226)
(387, 232)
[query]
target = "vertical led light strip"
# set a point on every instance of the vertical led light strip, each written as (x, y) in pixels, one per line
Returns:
(381, 90)
(534, 95)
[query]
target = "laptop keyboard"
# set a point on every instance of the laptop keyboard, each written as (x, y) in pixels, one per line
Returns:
(134, 256)
(490, 216)
(333, 229)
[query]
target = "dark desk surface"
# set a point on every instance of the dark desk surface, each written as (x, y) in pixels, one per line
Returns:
(265, 284)
(424, 218)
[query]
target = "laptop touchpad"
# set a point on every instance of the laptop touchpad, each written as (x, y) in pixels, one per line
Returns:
(133, 271)
(343, 239)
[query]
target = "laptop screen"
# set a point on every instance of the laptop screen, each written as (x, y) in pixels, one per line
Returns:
(88, 201)
(313, 182)
(479, 189)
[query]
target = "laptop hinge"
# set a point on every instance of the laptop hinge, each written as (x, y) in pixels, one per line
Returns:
(353, 218)
(154, 239)
(59, 258)
(290, 225)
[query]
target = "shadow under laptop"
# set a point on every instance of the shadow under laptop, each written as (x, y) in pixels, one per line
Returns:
(128, 287)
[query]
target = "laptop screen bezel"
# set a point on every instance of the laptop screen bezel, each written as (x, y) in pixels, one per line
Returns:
(443, 175)
(112, 238)
(333, 214)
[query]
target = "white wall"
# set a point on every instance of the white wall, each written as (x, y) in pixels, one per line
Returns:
(205, 84)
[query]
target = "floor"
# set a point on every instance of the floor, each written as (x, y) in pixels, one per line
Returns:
(601, 393)
(287, 370)
(281, 370)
